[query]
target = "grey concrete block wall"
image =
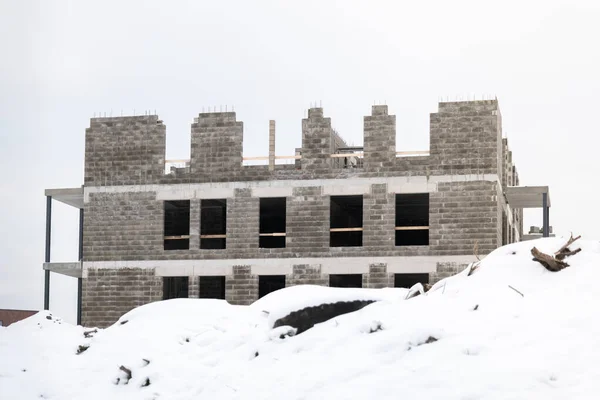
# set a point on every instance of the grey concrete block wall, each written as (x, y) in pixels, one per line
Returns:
(379, 140)
(445, 270)
(378, 277)
(243, 213)
(305, 274)
(242, 287)
(462, 214)
(194, 287)
(466, 138)
(124, 151)
(307, 222)
(109, 293)
(123, 226)
(316, 142)
(379, 213)
(216, 146)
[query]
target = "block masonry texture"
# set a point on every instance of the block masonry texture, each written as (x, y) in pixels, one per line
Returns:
(110, 293)
(124, 151)
(465, 139)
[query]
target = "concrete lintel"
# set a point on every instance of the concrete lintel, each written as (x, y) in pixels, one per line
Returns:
(70, 196)
(283, 266)
(219, 190)
(272, 191)
(348, 189)
(73, 269)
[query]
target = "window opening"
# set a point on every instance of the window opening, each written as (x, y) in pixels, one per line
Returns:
(346, 280)
(213, 224)
(272, 222)
(175, 287)
(412, 219)
(212, 287)
(346, 221)
(270, 283)
(409, 280)
(177, 225)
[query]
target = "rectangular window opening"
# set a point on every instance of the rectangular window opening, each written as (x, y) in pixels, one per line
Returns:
(270, 283)
(177, 225)
(412, 219)
(346, 221)
(272, 223)
(409, 280)
(175, 287)
(346, 280)
(212, 287)
(213, 224)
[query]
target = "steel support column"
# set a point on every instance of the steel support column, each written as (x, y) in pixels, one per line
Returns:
(47, 257)
(546, 215)
(80, 280)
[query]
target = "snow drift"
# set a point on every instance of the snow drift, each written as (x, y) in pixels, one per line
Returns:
(511, 330)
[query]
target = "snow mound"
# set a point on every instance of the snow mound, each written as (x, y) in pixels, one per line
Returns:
(510, 330)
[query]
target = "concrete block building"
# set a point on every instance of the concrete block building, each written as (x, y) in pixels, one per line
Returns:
(337, 215)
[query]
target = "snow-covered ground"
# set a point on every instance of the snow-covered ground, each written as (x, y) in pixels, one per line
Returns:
(470, 337)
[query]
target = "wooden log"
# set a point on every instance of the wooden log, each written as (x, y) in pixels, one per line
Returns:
(549, 262)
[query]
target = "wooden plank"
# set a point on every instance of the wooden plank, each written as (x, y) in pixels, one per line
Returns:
(412, 228)
(261, 158)
(412, 153)
(177, 237)
(177, 161)
(342, 155)
(288, 157)
(272, 234)
(213, 236)
(345, 230)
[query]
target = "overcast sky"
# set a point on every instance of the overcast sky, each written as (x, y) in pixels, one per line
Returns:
(63, 61)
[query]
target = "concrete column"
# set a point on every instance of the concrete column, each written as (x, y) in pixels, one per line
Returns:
(271, 145)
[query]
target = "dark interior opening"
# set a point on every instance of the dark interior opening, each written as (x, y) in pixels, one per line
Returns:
(177, 225)
(213, 224)
(408, 280)
(175, 287)
(272, 222)
(346, 280)
(212, 287)
(270, 283)
(346, 221)
(412, 219)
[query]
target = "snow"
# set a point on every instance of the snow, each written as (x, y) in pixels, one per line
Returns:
(469, 337)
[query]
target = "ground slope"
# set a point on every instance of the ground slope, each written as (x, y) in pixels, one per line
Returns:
(511, 330)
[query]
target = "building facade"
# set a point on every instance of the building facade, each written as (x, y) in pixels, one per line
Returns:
(337, 215)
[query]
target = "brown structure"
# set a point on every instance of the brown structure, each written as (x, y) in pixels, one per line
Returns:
(8, 317)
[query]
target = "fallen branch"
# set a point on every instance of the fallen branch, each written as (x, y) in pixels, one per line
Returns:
(565, 248)
(476, 250)
(473, 267)
(548, 261)
(522, 295)
(555, 262)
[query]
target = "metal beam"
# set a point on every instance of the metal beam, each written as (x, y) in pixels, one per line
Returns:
(47, 256)
(80, 280)
(545, 215)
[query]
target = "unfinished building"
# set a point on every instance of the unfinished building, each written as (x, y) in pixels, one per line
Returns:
(337, 215)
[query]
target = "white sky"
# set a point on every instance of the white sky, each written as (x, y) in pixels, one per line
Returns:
(63, 61)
